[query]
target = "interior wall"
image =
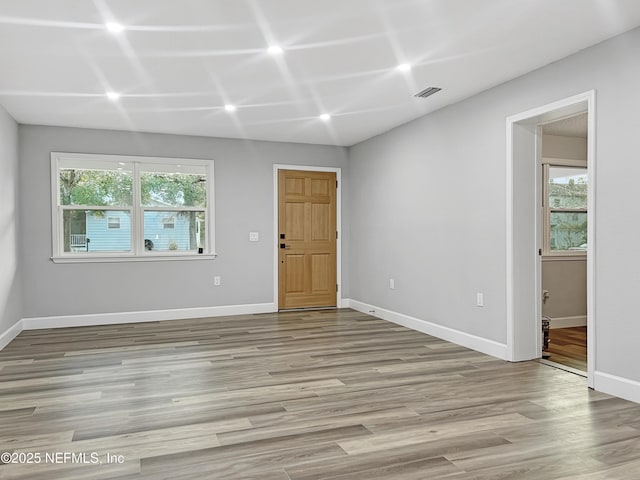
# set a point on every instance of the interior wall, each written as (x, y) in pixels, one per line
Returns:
(565, 278)
(10, 272)
(559, 146)
(243, 174)
(566, 282)
(428, 204)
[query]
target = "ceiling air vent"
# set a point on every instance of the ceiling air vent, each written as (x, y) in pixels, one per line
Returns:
(427, 92)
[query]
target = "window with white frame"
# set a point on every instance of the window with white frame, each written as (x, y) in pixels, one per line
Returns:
(565, 208)
(112, 206)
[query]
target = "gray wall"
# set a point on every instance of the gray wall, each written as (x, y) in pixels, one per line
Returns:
(243, 203)
(10, 272)
(558, 146)
(428, 204)
(566, 282)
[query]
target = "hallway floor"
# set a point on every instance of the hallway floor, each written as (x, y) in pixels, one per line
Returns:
(568, 346)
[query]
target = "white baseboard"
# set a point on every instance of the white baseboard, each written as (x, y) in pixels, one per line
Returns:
(566, 322)
(11, 333)
(617, 386)
(35, 323)
(458, 337)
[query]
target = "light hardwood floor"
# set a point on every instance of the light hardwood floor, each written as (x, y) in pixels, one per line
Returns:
(301, 396)
(568, 346)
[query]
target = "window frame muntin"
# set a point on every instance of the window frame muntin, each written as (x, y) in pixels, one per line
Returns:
(137, 252)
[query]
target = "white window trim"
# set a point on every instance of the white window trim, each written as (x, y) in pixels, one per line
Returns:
(137, 254)
(547, 253)
(563, 162)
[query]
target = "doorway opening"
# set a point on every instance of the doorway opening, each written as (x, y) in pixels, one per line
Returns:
(565, 180)
(550, 222)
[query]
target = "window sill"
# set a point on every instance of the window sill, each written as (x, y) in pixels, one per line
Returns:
(129, 258)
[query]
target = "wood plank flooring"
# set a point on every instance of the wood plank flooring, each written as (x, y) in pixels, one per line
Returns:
(568, 346)
(299, 396)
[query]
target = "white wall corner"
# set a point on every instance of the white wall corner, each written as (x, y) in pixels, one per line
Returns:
(36, 323)
(617, 386)
(479, 344)
(11, 333)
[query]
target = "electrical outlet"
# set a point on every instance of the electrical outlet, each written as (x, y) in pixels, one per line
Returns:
(479, 299)
(254, 236)
(392, 284)
(216, 280)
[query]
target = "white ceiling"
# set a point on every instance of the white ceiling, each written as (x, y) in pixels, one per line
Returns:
(575, 126)
(177, 63)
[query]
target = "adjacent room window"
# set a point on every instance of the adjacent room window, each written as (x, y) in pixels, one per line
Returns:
(113, 222)
(111, 206)
(565, 209)
(168, 222)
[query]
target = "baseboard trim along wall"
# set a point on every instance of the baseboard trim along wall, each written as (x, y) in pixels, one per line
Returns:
(567, 322)
(62, 321)
(483, 345)
(35, 323)
(617, 386)
(10, 334)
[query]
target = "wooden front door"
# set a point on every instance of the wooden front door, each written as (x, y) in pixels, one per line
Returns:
(306, 239)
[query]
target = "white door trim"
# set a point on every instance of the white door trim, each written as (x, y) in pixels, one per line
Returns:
(309, 168)
(513, 349)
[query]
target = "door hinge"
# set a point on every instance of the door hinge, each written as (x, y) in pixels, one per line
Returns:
(336, 183)
(336, 235)
(336, 287)
(540, 251)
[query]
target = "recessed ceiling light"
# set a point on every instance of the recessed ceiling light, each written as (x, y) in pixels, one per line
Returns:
(325, 117)
(275, 50)
(230, 108)
(114, 27)
(113, 96)
(404, 67)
